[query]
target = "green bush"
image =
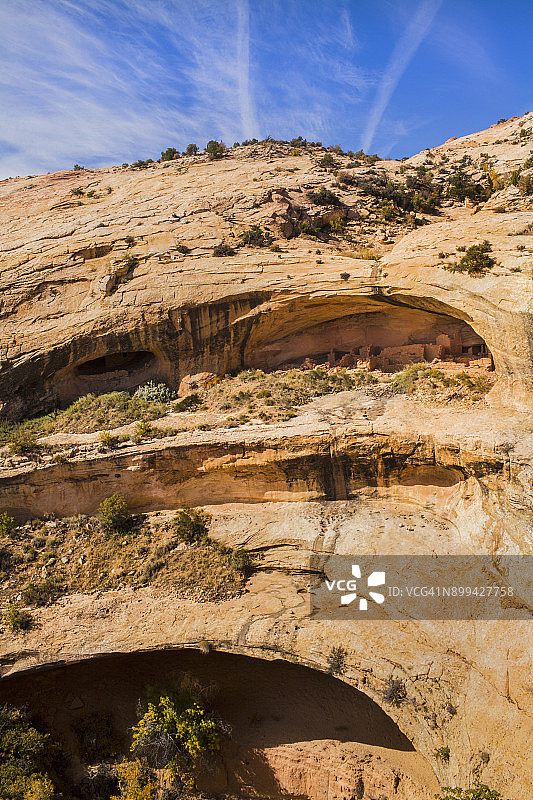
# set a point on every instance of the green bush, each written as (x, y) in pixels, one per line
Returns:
(24, 443)
(442, 754)
(327, 161)
(176, 730)
(190, 526)
(7, 524)
(169, 154)
(324, 197)
(26, 758)
(16, 620)
(479, 792)
(114, 514)
(256, 237)
(188, 403)
(43, 593)
(404, 381)
(143, 430)
(108, 440)
(154, 392)
(223, 249)
(475, 261)
(461, 186)
(215, 150)
(191, 149)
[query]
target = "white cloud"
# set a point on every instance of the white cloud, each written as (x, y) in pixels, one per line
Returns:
(98, 82)
(401, 57)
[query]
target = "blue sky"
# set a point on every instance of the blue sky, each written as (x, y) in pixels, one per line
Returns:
(99, 82)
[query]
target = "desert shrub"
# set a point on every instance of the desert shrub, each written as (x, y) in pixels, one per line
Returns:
(337, 660)
(188, 403)
(43, 593)
(16, 620)
(394, 692)
(176, 731)
(136, 781)
(367, 253)
(215, 150)
(461, 187)
(191, 149)
(169, 154)
(324, 197)
(404, 381)
(7, 524)
(96, 737)
(183, 249)
(223, 249)
(114, 514)
(327, 161)
(131, 262)
(442, 754)
(479, 792)
(475, 261)
(23, 443)
(143, 430)
(256, 237)
(107, 439)
(27, 756)
(481, 384)
(154, 392)
(77, 192)
(345, 276)
(190, 526)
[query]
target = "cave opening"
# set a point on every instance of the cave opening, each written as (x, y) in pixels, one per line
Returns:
(116, 371)
(278, 713)
(368, 335)
(116, 362)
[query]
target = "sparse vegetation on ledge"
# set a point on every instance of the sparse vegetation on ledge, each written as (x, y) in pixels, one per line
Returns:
(117, 550)
(476, 260)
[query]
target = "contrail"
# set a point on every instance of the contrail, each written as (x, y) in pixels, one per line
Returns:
(246, 104)
(403, 52)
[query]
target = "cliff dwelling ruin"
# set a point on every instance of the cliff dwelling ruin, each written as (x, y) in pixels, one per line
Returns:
(388, 339)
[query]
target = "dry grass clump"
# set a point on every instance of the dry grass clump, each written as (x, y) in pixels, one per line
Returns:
(80, 555)
(87, 415)
(368, 253)
(433, 383)
(273, 397)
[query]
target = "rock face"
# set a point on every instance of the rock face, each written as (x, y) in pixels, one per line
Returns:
(118, 285)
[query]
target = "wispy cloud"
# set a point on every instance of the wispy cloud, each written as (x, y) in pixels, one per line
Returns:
(401, 57)
(98, 82)
(248, 117)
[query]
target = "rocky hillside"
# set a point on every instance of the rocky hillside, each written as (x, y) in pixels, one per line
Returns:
(323, 354)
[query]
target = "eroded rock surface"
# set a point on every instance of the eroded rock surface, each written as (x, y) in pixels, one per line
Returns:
(99, 295)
